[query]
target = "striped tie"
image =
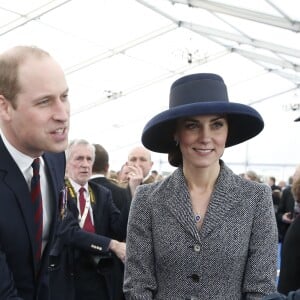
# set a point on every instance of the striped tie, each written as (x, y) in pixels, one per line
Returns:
(88, 225)
(36, 198)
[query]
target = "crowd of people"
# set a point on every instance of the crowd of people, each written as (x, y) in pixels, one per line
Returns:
(72, 229)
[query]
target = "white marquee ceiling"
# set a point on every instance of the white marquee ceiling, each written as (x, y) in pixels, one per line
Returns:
(121, 56)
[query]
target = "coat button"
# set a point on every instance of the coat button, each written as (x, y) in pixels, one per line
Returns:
(197, 248)
(195, 277)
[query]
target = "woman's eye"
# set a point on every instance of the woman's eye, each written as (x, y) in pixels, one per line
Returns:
(190, 125)
(217, 125)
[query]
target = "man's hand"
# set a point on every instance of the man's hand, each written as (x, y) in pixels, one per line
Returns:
(119, 248)
(135, 177)
(287, 218)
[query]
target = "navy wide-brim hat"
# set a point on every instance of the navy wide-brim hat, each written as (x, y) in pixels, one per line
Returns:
(200, 94)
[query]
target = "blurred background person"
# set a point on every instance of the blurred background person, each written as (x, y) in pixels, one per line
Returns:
(96, 212)
(286, 206)
(136, 170)
(251, 175)
(122, 201)
(289, 278)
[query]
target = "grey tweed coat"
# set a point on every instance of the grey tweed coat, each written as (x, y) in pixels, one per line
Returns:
(232, 257)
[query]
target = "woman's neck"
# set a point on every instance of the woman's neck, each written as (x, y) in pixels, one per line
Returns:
(201, 179)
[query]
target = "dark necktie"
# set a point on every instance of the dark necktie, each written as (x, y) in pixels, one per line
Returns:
(87, 225)
(36, 198)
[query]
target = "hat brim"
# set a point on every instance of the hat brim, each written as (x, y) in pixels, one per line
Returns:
(244, 123)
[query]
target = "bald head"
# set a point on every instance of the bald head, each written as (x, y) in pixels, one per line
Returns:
(140, 156)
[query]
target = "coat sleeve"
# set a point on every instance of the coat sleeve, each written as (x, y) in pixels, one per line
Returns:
(261, 268)
(70, 234)
(139, 280)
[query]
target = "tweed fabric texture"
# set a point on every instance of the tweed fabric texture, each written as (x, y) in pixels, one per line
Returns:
(232, 257)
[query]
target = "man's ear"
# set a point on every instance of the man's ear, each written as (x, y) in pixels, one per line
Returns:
(5, 108)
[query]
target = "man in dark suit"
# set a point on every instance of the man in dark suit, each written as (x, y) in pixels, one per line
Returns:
(99, 176)
(92, 205)
(121, 199)
(34, 119)
(285, 213)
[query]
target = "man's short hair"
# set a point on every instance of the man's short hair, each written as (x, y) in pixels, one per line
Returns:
(101, 159)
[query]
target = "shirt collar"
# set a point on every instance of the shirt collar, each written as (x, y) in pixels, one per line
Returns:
(77, 186)
(22, 160)
(97, 176)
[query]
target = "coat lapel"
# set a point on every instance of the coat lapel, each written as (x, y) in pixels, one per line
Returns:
(221, 203)
(177, 201)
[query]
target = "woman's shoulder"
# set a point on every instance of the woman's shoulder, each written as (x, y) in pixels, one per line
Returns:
(239, 183)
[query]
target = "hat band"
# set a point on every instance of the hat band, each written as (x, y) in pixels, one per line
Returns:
(203, 90)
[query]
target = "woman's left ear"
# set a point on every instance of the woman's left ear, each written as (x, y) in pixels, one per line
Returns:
(176, 140)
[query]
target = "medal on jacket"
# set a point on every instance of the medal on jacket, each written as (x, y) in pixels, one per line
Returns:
(63, 203)
(70, 190)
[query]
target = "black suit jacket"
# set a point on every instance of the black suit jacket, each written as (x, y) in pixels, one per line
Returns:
(286, 204)
(120, 195)
(122, 200)
(75, 267)
(17, 267)
(289, 278)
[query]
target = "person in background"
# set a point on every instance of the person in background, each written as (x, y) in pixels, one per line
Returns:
(251, 175)
(34, 121)
(99, 175)
(137, 168)
(286, 206)
(289, 278)
(92, 205)
(272, 183)
(276, 192)
(203, 232)
(282, 184)
(154, 174)
(122, 201)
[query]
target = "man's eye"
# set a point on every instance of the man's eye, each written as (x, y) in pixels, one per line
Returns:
(65, 97)
(43, 101)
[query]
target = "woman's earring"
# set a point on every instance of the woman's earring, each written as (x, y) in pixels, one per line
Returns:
(176, 142)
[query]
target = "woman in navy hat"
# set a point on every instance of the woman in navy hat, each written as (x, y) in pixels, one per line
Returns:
(204, 232)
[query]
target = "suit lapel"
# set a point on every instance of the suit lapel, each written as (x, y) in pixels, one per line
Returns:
(14, 179)
(53, 188)
(97, 207)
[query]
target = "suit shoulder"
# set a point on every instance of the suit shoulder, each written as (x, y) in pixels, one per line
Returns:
(55, 157)
(98, 187)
